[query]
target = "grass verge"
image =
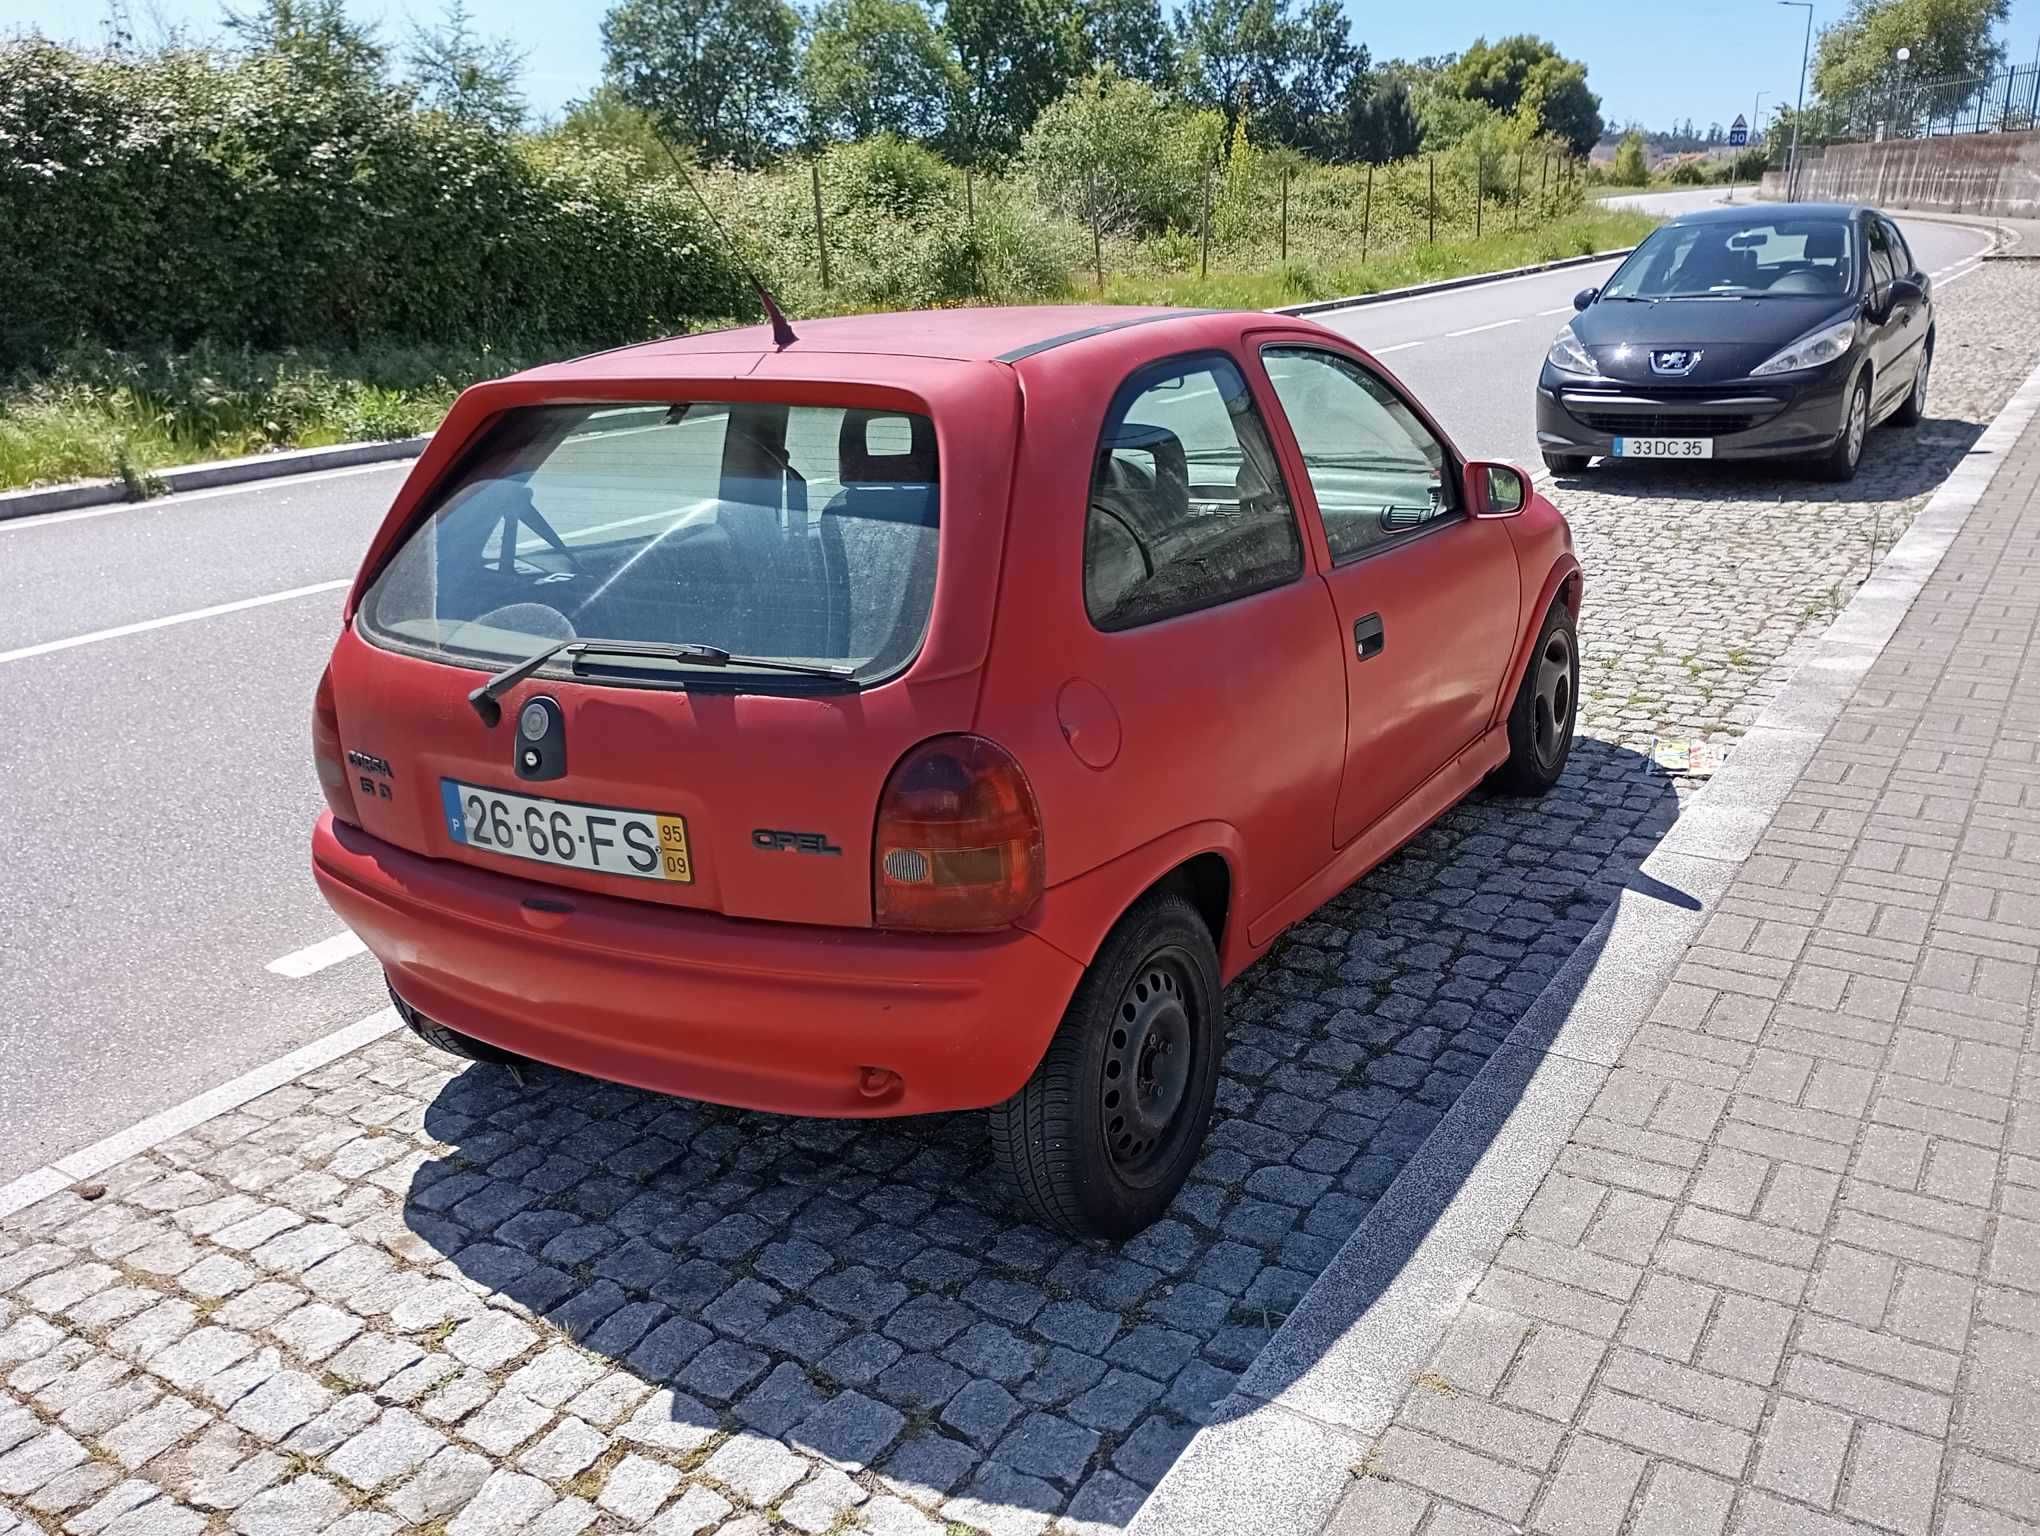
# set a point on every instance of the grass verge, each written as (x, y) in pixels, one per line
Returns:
(92, 414)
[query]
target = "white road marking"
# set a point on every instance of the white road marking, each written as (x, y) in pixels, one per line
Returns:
(1401, 346)
(1563, 309)
(119, 630)
(314, 958)
(1492, 325)
(175, 1121)
(177, 499)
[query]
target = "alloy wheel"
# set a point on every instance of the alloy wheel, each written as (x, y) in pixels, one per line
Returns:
(1859, 421)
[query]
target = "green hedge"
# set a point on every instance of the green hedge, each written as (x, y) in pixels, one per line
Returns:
(192, 195)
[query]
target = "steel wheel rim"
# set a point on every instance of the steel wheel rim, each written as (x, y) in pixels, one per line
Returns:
(1150, 1059)
(1553, 695)
(1859, 422)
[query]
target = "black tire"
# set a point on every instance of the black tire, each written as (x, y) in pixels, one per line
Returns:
(1839, 463)
(451, 1041)
(1914, 408)
(1087, 1163)
(1567, 463)
(1546, 711)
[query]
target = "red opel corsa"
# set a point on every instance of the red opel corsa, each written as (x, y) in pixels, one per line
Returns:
(932, 713)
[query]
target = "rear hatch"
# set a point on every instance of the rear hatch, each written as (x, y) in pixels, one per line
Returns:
(746, 592)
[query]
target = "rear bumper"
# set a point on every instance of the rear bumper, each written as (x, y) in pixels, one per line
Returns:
(1751, 420)
(779, 1017)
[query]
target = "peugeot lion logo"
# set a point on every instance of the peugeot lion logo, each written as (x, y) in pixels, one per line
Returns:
(1673, 362)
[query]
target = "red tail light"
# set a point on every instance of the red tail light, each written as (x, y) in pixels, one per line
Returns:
(959, 839)
(326, 754)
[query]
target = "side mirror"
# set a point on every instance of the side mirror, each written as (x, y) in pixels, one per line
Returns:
(1585, 297)
(1903, 290)
(1496, 490)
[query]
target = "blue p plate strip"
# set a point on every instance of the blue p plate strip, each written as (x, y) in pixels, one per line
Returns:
(456, 823)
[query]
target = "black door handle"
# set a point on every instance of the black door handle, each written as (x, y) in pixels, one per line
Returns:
(1367, 636)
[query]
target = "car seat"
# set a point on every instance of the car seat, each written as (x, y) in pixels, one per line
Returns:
(878, 539)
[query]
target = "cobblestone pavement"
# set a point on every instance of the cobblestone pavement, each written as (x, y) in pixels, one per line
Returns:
(1784, 1277)
(394, 1295)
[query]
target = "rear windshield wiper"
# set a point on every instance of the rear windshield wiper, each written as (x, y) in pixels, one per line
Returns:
(485, 698)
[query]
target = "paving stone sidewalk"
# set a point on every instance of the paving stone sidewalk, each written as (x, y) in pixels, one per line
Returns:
(1784, 1277)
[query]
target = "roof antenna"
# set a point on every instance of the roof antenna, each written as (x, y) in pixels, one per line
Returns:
(782, 333)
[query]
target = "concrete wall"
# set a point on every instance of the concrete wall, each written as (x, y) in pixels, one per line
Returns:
(1989, 173)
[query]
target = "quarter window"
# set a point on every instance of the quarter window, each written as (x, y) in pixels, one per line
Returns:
(1377, 471)
(1187, 505)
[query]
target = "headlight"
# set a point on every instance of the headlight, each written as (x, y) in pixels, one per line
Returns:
(1568, 356)
(1812, 349)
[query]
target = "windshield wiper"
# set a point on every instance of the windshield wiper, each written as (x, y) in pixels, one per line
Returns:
(485, 699)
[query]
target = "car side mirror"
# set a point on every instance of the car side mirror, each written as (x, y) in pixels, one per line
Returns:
(1585, 297)
(1903, 290)
(1496, 490)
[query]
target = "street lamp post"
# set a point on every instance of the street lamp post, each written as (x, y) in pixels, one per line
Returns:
(1897, 89)
(1805, 53)
(1756, 132)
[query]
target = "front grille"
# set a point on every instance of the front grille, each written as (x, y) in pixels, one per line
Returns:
(1665, 423)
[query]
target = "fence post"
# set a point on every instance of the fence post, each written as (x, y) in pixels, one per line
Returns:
(1097, 245)
(821, 235)
(1204, 225)
(1479, 188)
(1543, 183)
(1434, 200)
(1367, 213)
(977, 276)
(1285, 215)
(1519, 187)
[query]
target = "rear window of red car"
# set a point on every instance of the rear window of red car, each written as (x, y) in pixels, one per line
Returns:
(800, 533)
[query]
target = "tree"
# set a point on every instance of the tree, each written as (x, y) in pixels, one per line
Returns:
(604, 119)
(718, 74)
(472, 79)
(1632, 167)
(315, 36)
(1013, 57)
(1301, 97)
(1229, 46)
(876, 66)
(1525, 73)
(1381, 121)
(1949, 39)
(1130, 38)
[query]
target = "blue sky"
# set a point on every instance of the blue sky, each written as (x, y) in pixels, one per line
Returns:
(1650, 60)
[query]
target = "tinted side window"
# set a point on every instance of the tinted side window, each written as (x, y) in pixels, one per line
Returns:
(1187, 505)
(1901, 253)
(1377, 471)
(1880, 255)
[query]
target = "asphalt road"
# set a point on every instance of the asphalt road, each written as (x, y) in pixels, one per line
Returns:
(154, 754)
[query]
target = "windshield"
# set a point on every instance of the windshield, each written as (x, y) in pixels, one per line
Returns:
(800, 533)
(1725, 258)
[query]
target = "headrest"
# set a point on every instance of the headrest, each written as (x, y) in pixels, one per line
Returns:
(1824, 242)
(869, 447)
(1172, 465)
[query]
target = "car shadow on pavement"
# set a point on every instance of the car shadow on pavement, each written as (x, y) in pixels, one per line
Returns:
(1898, 464)
(779, 1307)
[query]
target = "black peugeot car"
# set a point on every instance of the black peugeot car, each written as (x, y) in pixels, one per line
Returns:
(1741, 333)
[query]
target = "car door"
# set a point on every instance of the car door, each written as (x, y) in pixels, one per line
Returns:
(1912, 316)
(1887, 324)
(1426, 595)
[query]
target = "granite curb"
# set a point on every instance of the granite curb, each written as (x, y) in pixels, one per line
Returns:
(1280, 1451)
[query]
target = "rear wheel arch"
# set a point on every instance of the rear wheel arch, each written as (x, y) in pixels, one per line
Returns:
(1206, 882)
